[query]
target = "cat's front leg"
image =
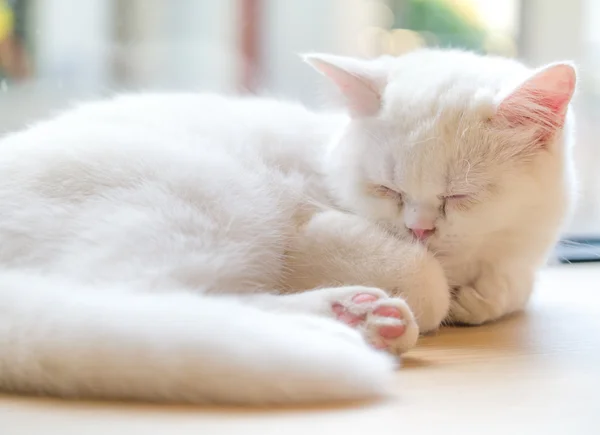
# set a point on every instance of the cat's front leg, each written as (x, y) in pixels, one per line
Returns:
(496, 293)
(336, 249)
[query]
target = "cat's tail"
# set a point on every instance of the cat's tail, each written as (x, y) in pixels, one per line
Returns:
(62, 339)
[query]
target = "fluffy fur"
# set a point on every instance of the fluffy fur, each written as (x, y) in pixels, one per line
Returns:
(162, 247)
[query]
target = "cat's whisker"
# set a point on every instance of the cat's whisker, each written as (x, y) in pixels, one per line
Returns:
(467, 171)
(426, 140)
(564, 259)
(582, 245)
(464, 132)
(590, 250)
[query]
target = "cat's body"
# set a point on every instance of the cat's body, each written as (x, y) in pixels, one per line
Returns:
(157, 204)
(157, 247)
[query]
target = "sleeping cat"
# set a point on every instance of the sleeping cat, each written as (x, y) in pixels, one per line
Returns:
(199, 248)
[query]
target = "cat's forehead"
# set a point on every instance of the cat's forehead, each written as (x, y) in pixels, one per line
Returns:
(439, 148)
(434, 68)
(427, 82)
(437, 100)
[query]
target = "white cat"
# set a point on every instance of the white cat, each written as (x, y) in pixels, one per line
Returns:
(155, 247)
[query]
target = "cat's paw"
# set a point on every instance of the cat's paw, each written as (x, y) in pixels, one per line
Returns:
(415, 275)
(385, 322)
(469, 307)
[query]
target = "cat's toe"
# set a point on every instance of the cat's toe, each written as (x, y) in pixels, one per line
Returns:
(386, 323)
(391, 326)
(469, 307)
(353, 310)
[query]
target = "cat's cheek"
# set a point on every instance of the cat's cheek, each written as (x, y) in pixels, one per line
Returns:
(384, 210)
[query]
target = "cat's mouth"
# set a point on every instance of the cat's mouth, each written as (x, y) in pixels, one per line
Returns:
(422, 235)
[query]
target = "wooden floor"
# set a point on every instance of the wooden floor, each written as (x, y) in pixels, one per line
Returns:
(536, 373)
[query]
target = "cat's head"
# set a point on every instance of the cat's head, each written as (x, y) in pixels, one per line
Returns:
(449, 146)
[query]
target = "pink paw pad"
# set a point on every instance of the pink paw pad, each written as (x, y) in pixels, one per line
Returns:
(385, 322)
(349, 318)
(386, 331)
(390, 331)
(345, 316)
(362, 298)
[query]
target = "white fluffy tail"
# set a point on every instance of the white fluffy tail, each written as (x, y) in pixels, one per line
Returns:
(61, 339)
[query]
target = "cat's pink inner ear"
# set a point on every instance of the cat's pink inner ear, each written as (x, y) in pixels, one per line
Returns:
(542, 100)
(363, 96)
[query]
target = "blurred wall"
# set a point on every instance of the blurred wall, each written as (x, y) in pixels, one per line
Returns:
(72, 41)
(294, 27)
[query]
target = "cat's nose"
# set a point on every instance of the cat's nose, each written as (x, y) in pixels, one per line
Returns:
(422, 233)
(420, 220)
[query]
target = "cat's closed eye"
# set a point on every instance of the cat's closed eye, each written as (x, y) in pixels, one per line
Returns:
(385, 192)
(456, 197)
(460, 201)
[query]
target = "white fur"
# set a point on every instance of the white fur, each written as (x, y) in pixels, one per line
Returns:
(153, 246)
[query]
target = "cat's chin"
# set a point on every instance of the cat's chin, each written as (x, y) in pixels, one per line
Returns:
(429, 244)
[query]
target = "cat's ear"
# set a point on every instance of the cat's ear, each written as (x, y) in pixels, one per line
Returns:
(541, 101)
(361, 82)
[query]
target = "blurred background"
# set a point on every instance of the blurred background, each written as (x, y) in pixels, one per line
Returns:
(53, 52)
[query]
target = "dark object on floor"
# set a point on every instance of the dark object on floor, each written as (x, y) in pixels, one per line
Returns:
(578, 250)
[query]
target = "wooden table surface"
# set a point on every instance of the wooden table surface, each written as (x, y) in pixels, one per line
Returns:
(537, 372)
